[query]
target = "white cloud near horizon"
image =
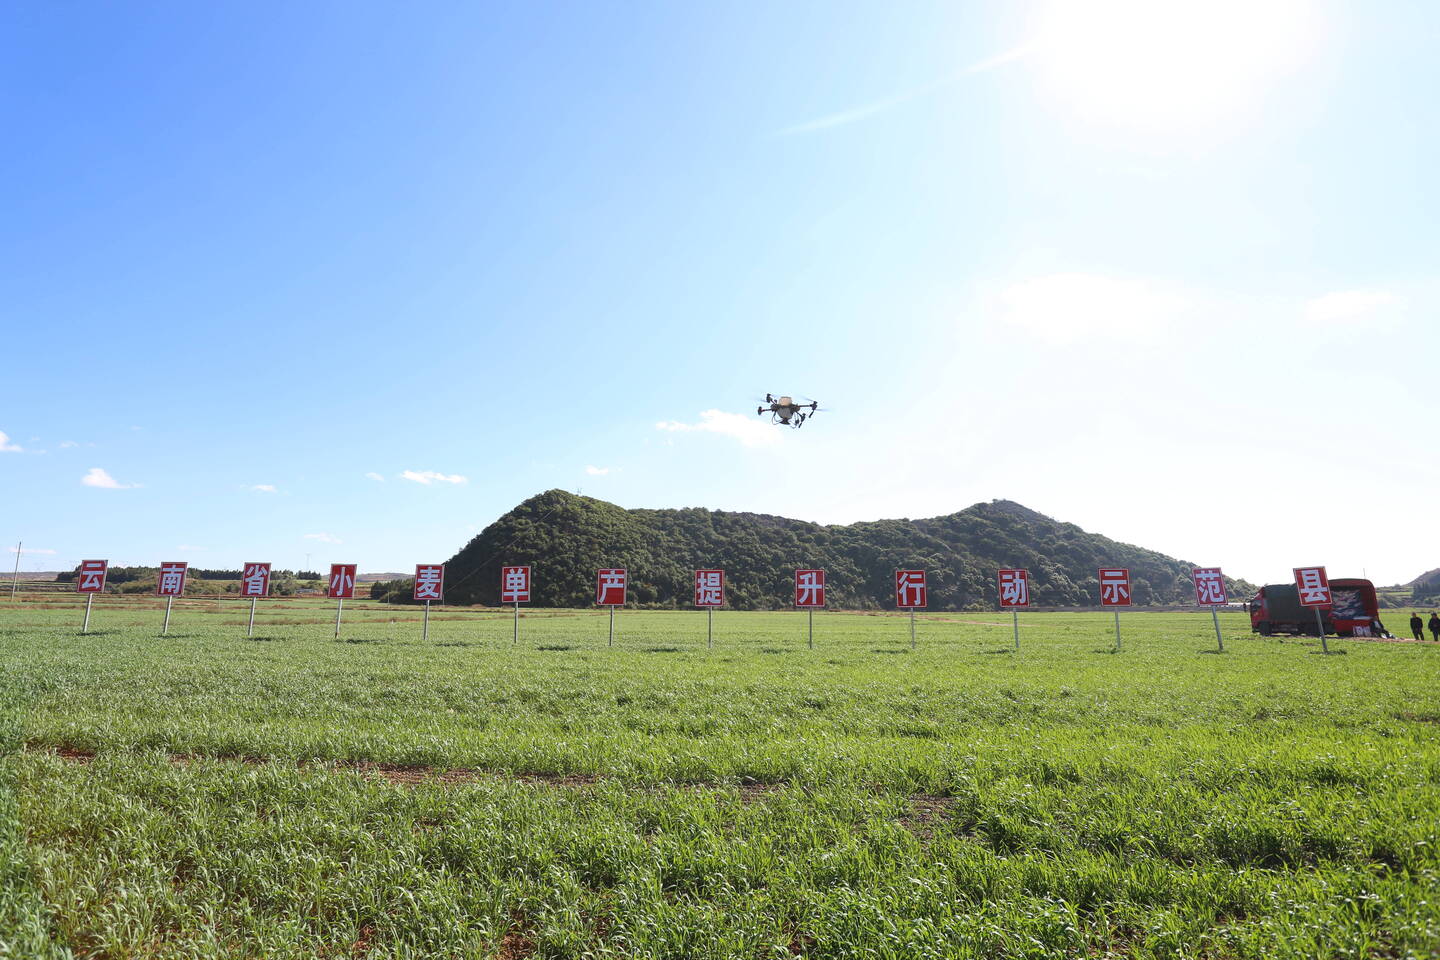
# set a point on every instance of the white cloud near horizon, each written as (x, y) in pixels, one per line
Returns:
(597, 471)
(263, 488)
(1342, 307)
(372, 475)
(67, 444)
(428, 477)
(750, 431)
(323, 538)
(1066, 308)
(7, 447)
(98, 477)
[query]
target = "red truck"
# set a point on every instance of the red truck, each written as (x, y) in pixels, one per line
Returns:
(1356, 613)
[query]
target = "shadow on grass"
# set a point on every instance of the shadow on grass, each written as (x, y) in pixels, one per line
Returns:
(363, 640)
(662, 649)
(460, 643)
(888, 650)
(1212, 652)
(103, 633)
(262, 639)
(1330, 653)
(1108, 650)
(1001, 650)
(776, 649)
(555, 647)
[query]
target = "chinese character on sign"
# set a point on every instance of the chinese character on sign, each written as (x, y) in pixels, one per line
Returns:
(610, 588)
(514, 584)
(429, 581)
(92, 576)
(709, 588)
(909, 589)
(1014, 588)
(1314, 586)
(342, 581)
(1210, 587)
(171, 581)
(809, 588)
(1114, 587)
(255, 580)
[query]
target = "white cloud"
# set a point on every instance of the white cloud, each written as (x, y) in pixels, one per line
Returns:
(97, 477)
(6, 446)
(67, 444)
(30, 550)
(263, 488)
(1374, 308)
(375, 476)
(428, 477)
(1065, 308)
(751, 431)
(323, 537)
(597, 471)
(187, 548)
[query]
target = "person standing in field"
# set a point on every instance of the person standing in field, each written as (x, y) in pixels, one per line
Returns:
(1417, 626)
(1435, 625)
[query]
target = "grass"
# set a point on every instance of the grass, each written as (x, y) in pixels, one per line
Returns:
(206, 795)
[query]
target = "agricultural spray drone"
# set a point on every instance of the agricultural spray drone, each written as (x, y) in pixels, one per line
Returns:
(786, 412)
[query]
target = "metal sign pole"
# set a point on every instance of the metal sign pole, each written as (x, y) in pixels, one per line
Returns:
(516, 639)
(811, 612)
(1215, 615)
(89, 599)
(339, 605)
(1118, 648)
(612, 626)
(709, 627)
(166, 628)
(1015, 616)
(250, 630)
(1320, 628)
(425, 629)
(912, 628)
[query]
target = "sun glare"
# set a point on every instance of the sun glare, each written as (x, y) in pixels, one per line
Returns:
(1168, 65)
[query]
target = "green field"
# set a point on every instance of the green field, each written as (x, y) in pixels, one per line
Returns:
(212, 795)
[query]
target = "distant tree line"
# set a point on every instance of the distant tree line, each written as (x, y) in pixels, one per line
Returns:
(283, 583)
(566, 538)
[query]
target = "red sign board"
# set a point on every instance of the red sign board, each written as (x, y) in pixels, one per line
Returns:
(1114, 587)
(1314, 587)
(514, 584)
(1210, 587)
(809, 588)
(429, 581)
(170, 582)
(1014, 588)
(255, 580)
(342, 581)
(709, 588)
(910, 589)
(91, 578)
(610, 587)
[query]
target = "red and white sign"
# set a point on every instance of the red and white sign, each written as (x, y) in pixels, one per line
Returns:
(910, 589)
(809, 588)
(1114, 587)
(1014, 588)
(1210, 587)
(709, 588)
(171, 580)
(610, 587)
(342, 581)
(1314, 587)
(429, 581)
(514, 584)
(91, 578)
(255, 580)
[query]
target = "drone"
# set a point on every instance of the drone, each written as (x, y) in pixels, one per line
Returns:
(786, 412)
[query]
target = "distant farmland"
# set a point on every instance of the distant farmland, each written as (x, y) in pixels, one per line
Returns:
(292, 795)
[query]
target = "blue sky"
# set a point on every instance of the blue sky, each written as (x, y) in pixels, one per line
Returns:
(348, 281)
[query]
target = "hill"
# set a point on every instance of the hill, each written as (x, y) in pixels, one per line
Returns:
(566, 538)
(1425, 589)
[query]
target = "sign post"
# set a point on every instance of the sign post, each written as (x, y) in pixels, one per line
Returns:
(809, 594)
(90, 581)
(429, 585)
(911, 591)
(1015, 594)
(1115, 592)
(342, 588)
(254, 583)
(170, 583)
(709, 593)
(1314, 587)
(515, 589)
(1210, 592)
(610, 587)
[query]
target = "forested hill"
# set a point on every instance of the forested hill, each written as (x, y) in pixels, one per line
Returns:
(566, 538)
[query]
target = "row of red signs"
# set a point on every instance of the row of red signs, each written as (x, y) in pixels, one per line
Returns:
(911, 589)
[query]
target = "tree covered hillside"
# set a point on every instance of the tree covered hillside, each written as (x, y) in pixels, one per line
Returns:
(566, 538)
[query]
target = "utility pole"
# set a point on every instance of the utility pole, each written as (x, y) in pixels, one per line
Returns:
(15, 580)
